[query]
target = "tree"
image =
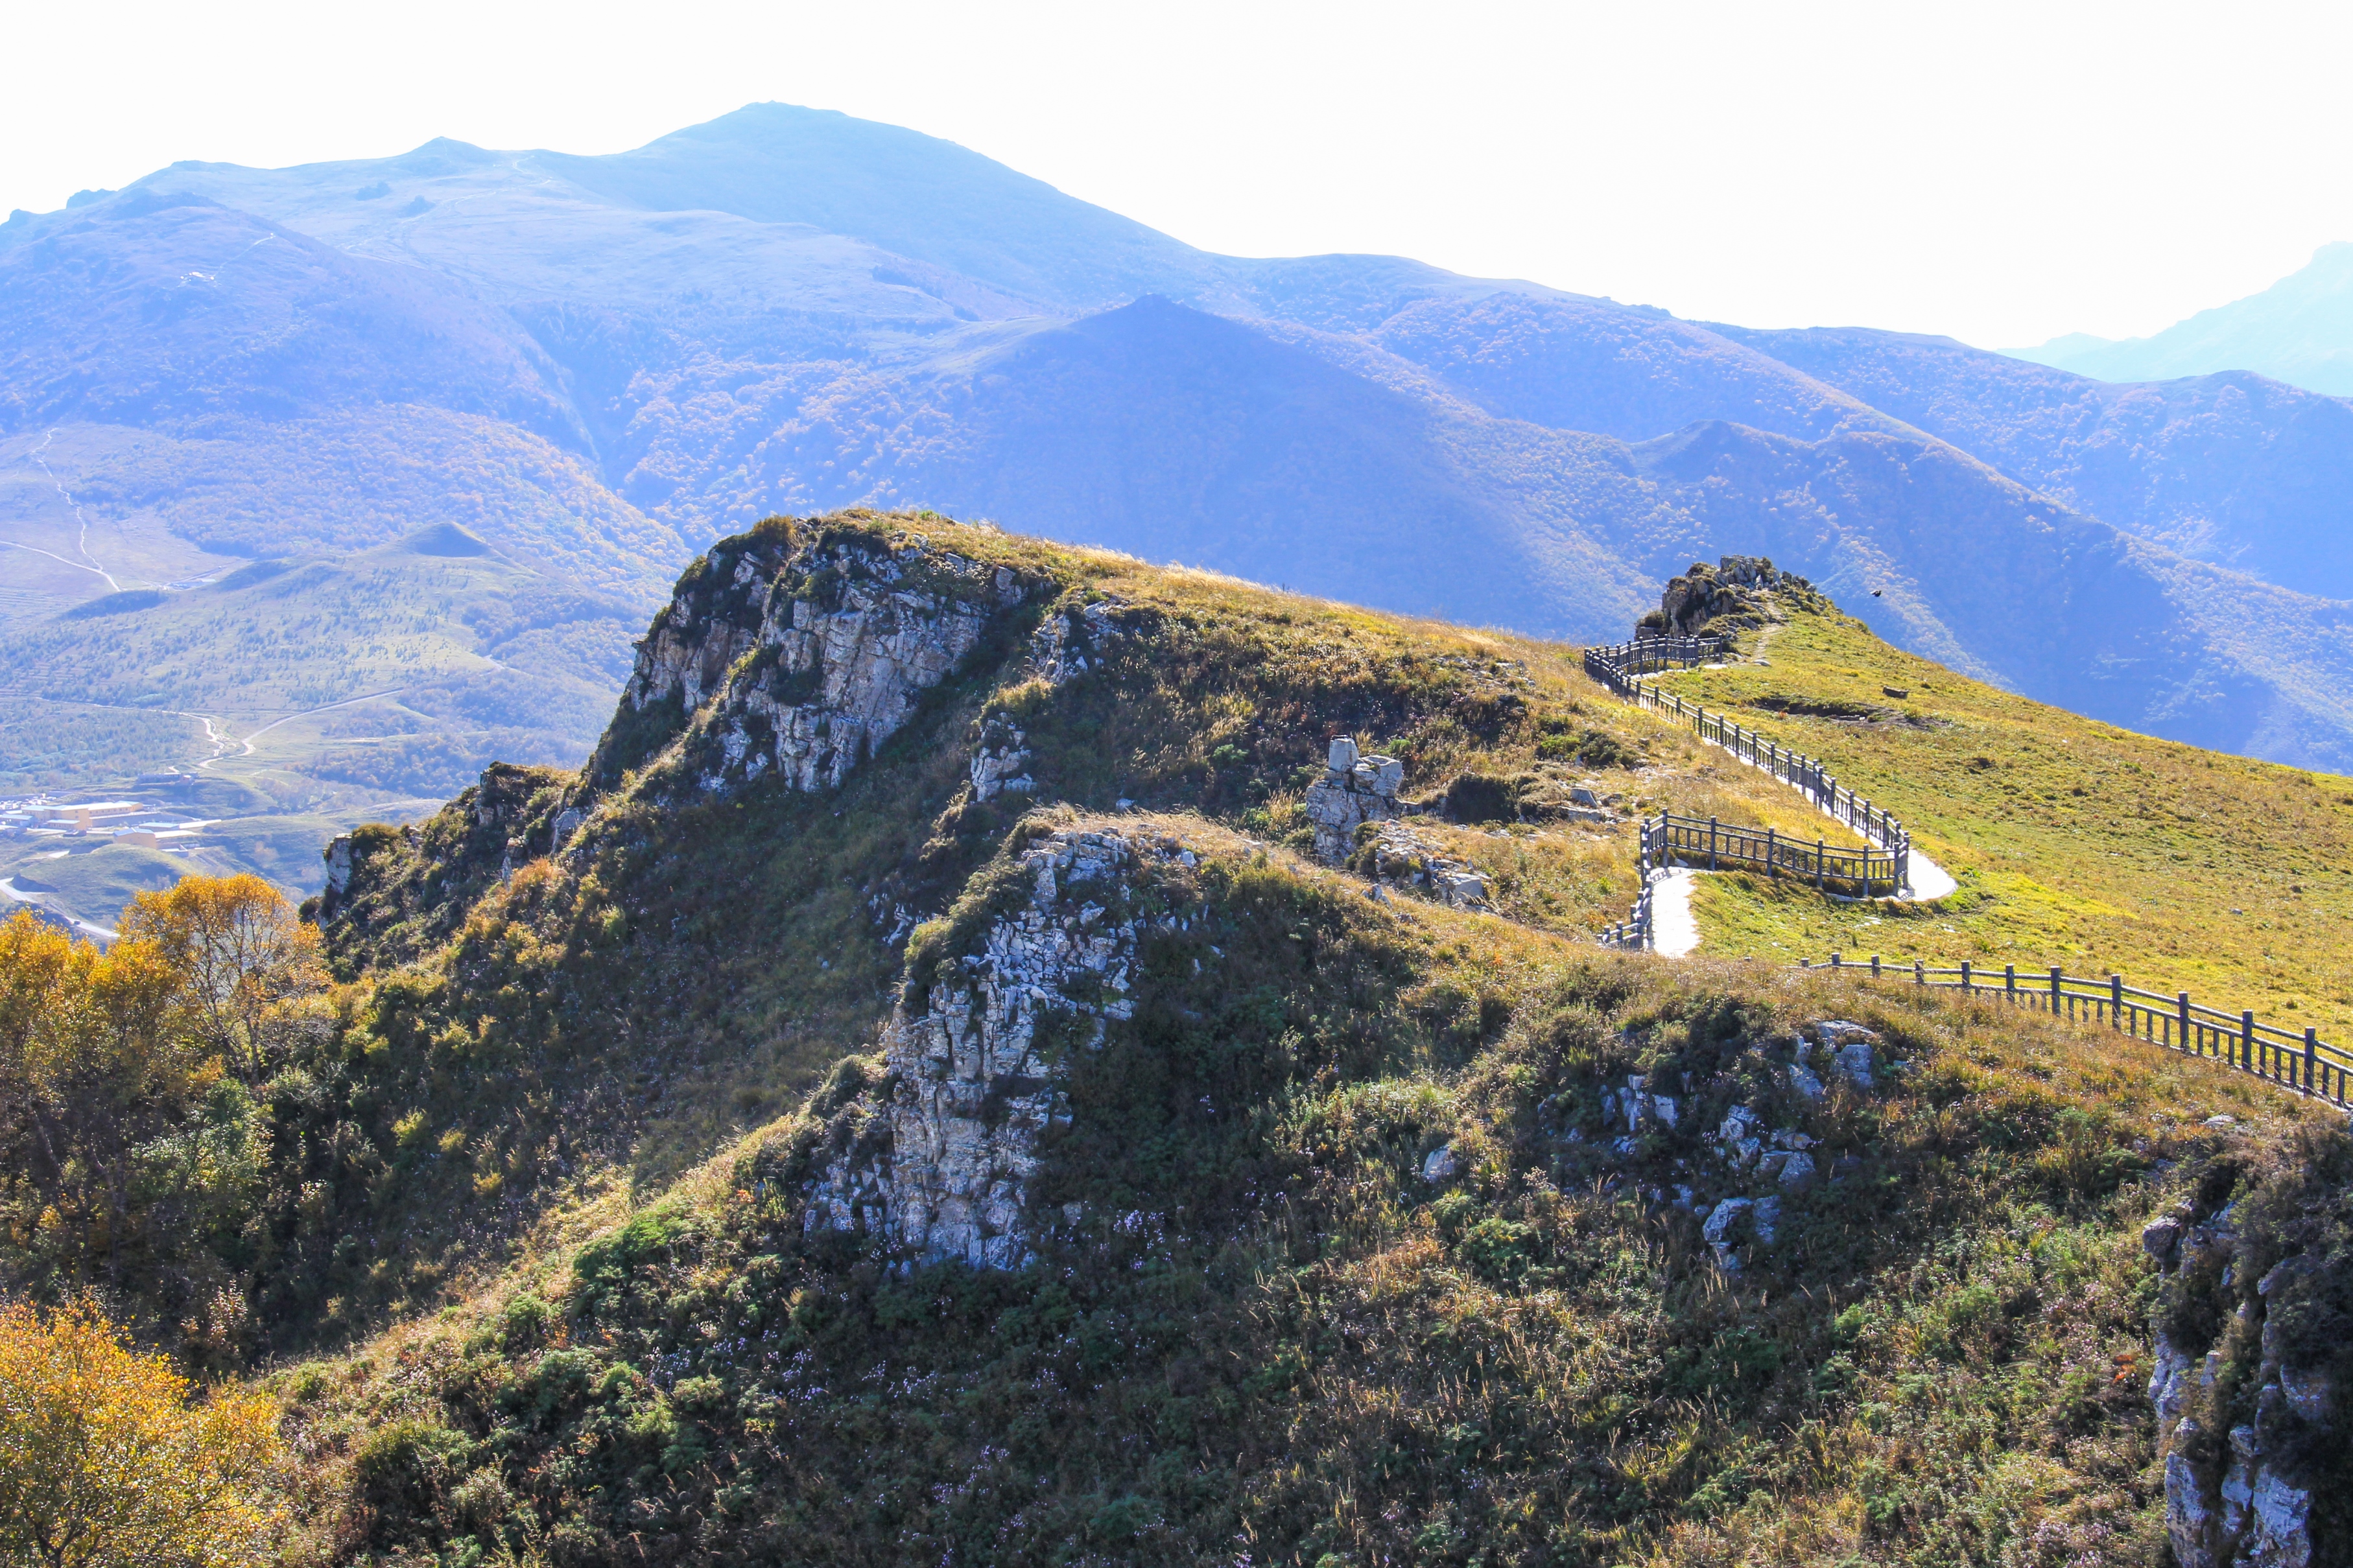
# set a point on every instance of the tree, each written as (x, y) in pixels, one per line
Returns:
(106, 1462)
(97, 1057)
(243, 956)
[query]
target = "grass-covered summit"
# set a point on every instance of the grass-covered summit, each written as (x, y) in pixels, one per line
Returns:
(918, 1096)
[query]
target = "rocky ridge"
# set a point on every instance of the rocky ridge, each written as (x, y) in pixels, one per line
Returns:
(1733, 595)
(847, 644)
(937, 1162)
(2231, 1500)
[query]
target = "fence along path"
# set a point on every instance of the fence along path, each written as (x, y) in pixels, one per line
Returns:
(1621, 666)
(1695, 841)
(2304, 1063)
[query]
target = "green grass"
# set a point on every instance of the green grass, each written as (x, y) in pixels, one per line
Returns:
(2074, 843)
(1297, 1342)
(486, 657)
(535, 1185)
(89, 883)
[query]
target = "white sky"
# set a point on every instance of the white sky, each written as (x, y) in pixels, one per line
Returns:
(2001, 172)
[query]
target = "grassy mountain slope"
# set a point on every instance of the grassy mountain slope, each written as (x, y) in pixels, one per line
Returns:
(313, 691)
(1589, 364)
(911, 193)
(1363, 1260)
(2075, 842)
(147, 307)
(176, 506)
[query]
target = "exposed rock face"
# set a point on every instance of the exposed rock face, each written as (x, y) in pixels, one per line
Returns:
(712, 620)
(2229, 1503)
(851, 641)
(802, 664)
(1731, 596)
(1400, 857)
(975, 1075)
(1353, 790)
(1000, 763)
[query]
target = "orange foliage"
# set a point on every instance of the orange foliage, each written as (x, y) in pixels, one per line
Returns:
(106, 1462)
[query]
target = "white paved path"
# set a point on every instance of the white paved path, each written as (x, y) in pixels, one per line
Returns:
(1673, 930)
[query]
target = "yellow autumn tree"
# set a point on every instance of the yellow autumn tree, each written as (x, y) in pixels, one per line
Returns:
(107, 1461)
(242, 954)
(98, 1053)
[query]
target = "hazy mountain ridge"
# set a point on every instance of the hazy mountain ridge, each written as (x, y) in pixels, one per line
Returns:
(2231, 467)
(2298, 331)
(603, 362)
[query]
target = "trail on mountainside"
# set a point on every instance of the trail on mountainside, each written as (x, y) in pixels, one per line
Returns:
(82, 541)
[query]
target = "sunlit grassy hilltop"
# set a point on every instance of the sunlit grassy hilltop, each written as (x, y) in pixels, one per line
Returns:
(1347, 1226)
(2075, 843)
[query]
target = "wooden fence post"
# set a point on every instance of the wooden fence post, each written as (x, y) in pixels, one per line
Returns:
(2116, 1000)
(2184, 1042)
(1822, 864)
(1875, 966)
(1772, 864)
(2311, 1055)
(2246, 1042)
(1919, 972)
(1834, 960)
(1967, 988)
(1711, 844)
(2054, 990)
(2010, 982)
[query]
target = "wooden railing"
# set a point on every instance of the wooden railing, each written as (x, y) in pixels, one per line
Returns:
(1648, 656)
(1631, 934)
(1619, 666)
(2305, 1063)
(1695, 841)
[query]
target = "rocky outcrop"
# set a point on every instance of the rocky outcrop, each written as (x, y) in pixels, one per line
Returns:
(976, 1068)
(1000, 762)
(852, 638)
(1353, 790)
(713, 618)
(501, 821)
(2231, 1497)
(1735, 596)
(1070, 642)
(1400, 857)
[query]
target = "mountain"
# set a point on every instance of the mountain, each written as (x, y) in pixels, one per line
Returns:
(598, 365)
(2228, 468)
(978, 1066)
(2298, 331)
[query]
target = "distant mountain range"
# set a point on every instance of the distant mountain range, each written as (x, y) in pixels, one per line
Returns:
(2298, 331)
(598, 365)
